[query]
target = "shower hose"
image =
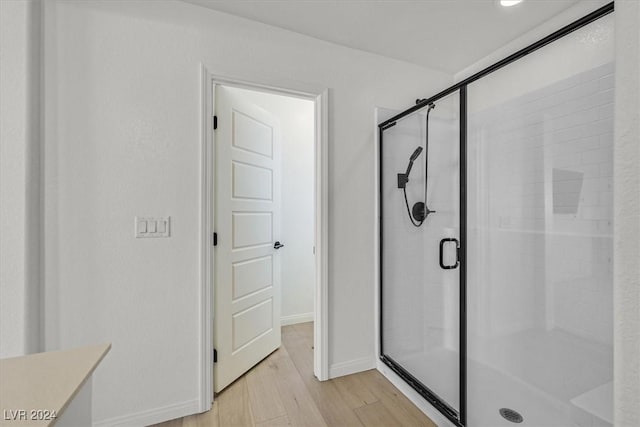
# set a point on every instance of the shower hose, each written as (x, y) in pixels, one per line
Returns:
(406, 202)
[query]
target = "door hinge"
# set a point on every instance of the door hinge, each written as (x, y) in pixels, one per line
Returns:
(215, 122)
(215, 239)
(215, 356)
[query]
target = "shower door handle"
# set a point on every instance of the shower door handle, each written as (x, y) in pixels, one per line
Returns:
(442, 243)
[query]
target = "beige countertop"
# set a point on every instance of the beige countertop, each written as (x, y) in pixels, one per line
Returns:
(44, 382)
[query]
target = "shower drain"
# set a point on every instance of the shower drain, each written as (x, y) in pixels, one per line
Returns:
(511, 415)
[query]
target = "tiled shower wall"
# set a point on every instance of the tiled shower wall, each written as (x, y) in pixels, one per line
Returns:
(540, 210)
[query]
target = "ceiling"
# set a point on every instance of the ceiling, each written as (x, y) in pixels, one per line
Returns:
(447, 35)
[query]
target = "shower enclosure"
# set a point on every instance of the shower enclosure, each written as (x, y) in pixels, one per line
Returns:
(496, 297)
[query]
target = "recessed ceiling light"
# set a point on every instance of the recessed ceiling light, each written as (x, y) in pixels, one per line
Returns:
(508, 3)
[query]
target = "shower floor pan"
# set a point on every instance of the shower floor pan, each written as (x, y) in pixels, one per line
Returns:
(490, 389)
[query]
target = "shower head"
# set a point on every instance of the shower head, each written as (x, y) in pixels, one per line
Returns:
(415, 154)
(403, 178)
(412, 159)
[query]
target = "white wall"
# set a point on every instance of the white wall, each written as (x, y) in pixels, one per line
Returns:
(589, 49)
(626, 279)
(19, 177)
(297, 119)
(577, 11)
(122, 94)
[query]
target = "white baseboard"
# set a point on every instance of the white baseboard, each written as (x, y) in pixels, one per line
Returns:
(414, 397)
(296, 318)
(152, 416)
(351, 367)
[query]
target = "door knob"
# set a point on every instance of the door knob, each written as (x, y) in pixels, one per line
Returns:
(277, 245)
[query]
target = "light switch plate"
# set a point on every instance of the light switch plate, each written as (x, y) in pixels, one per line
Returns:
(147, 227)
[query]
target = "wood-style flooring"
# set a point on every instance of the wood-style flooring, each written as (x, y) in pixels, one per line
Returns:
(282, 391)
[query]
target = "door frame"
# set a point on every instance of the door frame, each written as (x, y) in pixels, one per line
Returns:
(320, 97)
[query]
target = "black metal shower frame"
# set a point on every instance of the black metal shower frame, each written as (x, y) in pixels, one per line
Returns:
(458, 418)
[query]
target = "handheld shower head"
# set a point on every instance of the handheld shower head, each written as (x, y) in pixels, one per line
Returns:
(403, 178)
(415, 154)
(412, 159)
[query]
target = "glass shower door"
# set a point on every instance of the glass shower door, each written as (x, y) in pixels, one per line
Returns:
(518, 185)
(540, 157)
(420, 272)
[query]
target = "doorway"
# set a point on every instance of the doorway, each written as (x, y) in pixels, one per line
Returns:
(279, 208)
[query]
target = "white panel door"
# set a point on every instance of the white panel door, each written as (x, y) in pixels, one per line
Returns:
(247, 220)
